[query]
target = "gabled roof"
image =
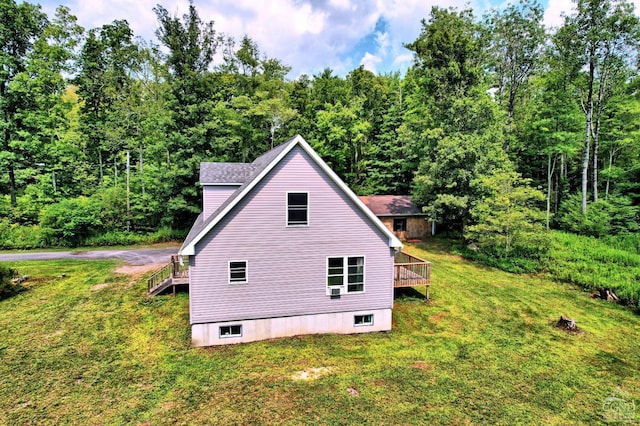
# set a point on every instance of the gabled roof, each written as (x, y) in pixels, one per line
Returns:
(224, 173)
(392, 205)
(261, 166)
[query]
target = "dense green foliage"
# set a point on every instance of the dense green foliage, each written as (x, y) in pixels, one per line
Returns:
(7, 287)
(102, 133)
(612, 263)
(90, 348)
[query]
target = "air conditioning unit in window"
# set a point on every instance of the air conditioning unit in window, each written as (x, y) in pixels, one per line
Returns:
(335, 291)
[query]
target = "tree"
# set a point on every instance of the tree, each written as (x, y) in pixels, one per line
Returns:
(21, 26)
(507, 220)
(106, 62)
(448, 59)
(601, 36)
(517, 36)
(443, 182)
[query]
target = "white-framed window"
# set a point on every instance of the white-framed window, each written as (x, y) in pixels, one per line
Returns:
(297, 209)
(230, 331)
(345, 272)
(238, 271)
(361, 320)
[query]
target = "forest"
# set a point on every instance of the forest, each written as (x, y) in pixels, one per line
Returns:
(501, 128)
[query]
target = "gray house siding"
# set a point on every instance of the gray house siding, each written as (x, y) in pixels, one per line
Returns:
(213, 196)
(287, 265)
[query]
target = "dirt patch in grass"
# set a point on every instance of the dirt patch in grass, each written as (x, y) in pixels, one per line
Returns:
(437, 317)
(421, 365)
(312, 373)
(138, 269)
(99, 286)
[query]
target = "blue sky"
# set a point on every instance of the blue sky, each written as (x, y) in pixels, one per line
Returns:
(308, 35)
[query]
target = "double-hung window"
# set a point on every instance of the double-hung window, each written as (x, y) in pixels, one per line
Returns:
(346, 272)
(238, 272)
(297, 208)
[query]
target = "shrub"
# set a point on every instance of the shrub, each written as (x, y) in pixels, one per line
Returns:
(72, 220)
(605, 217)
(7, 287)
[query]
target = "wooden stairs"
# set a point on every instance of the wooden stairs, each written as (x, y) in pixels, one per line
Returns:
(169, 276)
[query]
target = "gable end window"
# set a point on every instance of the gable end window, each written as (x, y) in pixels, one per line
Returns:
(346, 273)
(238, 271)
(230, 331)
(297, 208)
(360, 320)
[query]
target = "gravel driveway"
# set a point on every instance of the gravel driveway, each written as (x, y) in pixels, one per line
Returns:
(133, 257)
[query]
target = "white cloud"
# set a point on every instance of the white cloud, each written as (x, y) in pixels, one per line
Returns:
(553, 14)
(308, 35)
(403, 60)
(370, 62)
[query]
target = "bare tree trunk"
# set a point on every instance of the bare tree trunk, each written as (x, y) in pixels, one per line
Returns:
(12, 185)
(588, 110)
(606, 189)
(550, 170)
(128, 180)
(100, 164)
(141, 165)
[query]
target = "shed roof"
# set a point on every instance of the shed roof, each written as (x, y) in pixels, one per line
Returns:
(391, 205)
(260, 167)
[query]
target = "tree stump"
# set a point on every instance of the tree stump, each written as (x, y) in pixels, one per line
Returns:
(566, 323)
(608, 295)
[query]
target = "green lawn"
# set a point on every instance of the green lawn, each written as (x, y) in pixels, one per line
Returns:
(90, 348)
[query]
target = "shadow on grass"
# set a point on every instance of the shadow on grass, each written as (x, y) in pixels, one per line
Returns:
(407, 293)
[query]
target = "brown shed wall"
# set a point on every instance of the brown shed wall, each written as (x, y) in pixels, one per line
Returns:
(417, 227)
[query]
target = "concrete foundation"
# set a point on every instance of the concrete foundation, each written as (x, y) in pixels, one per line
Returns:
(268, 328)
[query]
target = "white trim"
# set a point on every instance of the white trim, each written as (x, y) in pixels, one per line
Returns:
(363, 324)
(286, 207)
(344, 288)
(246, 272)
(229, 336)
(393, 241)
(221, 184)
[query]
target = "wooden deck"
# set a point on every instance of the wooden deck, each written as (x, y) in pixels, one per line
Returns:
(170, 275)
(411, 271)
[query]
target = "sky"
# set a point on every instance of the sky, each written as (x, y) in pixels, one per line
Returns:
(307, 35)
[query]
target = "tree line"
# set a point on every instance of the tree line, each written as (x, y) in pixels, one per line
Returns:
(500, 128)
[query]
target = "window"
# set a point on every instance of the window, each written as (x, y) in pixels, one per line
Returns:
(399, 225)
(230, 331)
(355, 274)
(238, 271)
(297, 208)
(359, 320)
(346, 272)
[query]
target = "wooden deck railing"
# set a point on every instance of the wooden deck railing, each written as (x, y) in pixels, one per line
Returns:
(179, 270)
(411, 271)
(160, 276)
(174, 272)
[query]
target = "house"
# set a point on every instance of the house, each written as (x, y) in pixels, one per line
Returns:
(283, 247)
(400, 215)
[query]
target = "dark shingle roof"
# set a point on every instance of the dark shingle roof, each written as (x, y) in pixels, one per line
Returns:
(254, 169)
(391, 205)
(211, 173)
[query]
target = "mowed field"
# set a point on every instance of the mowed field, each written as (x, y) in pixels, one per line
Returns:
(90, 348)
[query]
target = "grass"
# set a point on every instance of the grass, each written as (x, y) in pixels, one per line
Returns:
(90, 348)
(611, 263)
